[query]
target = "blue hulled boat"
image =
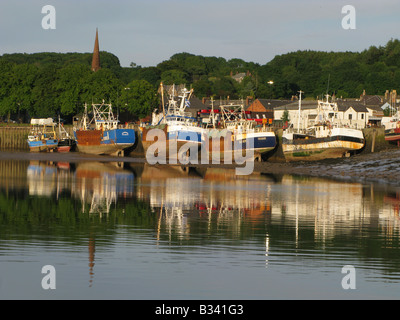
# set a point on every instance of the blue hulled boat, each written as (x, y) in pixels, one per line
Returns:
(102, 134)
(42, 137)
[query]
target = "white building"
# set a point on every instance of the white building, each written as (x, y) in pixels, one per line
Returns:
(351, 113)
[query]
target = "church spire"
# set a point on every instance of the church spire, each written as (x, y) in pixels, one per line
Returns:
(96, 54)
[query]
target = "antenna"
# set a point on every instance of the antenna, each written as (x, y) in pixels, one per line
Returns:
(327, 89)
(298, 121)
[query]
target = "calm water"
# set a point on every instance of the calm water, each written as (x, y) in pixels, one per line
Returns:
(139, 232)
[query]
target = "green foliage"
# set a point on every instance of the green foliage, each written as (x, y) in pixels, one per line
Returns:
(174, 76)
(45, 84)
(71, 87)
(285, 116)
(139, 98)
(203, 88)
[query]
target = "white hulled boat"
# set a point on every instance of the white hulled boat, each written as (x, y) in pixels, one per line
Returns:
(326, 138)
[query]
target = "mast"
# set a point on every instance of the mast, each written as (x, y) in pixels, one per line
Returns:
(84, 118)
(212, 112)
(162, 99)
(298, 120)
(185, 94)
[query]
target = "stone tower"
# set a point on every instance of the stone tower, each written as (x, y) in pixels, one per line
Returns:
(96, 54)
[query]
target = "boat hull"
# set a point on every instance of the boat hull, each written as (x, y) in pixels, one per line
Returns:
(109, 142)
(43, 145)
(66, 145)
(173, 140)
(261, 142)
(392, 134)
(63, 149)
(223, 145)
(320, 148)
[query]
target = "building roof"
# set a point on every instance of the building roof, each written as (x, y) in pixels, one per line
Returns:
(343, 105)
(196, 104)
(371, 99)
(224, 102)
(358, 106)
(268, 104)
(239, 76)
(305, 104)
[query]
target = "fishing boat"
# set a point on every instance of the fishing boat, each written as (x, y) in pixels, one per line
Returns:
(42, 137)
(392, 128)
(235, 133)
(66, 143)
(326, 138)
(102, 134)
(180, 127)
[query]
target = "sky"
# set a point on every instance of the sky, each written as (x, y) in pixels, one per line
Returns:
(148, 32)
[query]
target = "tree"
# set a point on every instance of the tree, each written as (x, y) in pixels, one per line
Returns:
(139, 98)
(44, 94)
(102, 85)
(224, 87)
(285, 116)
(247, 87)
(21, 79)
(71, 87)
(170, 77)
(203, 88)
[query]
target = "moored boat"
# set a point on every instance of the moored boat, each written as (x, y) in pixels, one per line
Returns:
(66, 143)
(102, 134)
(180, 128)
(237, 134)
(392, 129)
(42, 137)
(326, 139)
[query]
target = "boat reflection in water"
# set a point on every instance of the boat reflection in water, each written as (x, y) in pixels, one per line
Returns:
(216, 196)
(96, 184)
(101, 184)
(179, 196)
(130, 215)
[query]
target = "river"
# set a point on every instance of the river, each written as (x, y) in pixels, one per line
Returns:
(114, 230)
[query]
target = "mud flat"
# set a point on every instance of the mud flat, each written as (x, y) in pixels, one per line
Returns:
(381, 167)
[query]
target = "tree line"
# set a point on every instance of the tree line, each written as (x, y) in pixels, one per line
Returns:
(48, 84)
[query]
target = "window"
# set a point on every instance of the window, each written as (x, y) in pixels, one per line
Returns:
(362, 116)
(350, 116)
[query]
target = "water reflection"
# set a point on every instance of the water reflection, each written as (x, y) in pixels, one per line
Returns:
(178, 195)
(288, 219)
(100, 184)
(217, 196)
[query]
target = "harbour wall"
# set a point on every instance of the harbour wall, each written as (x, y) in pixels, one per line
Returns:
(14, 138)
